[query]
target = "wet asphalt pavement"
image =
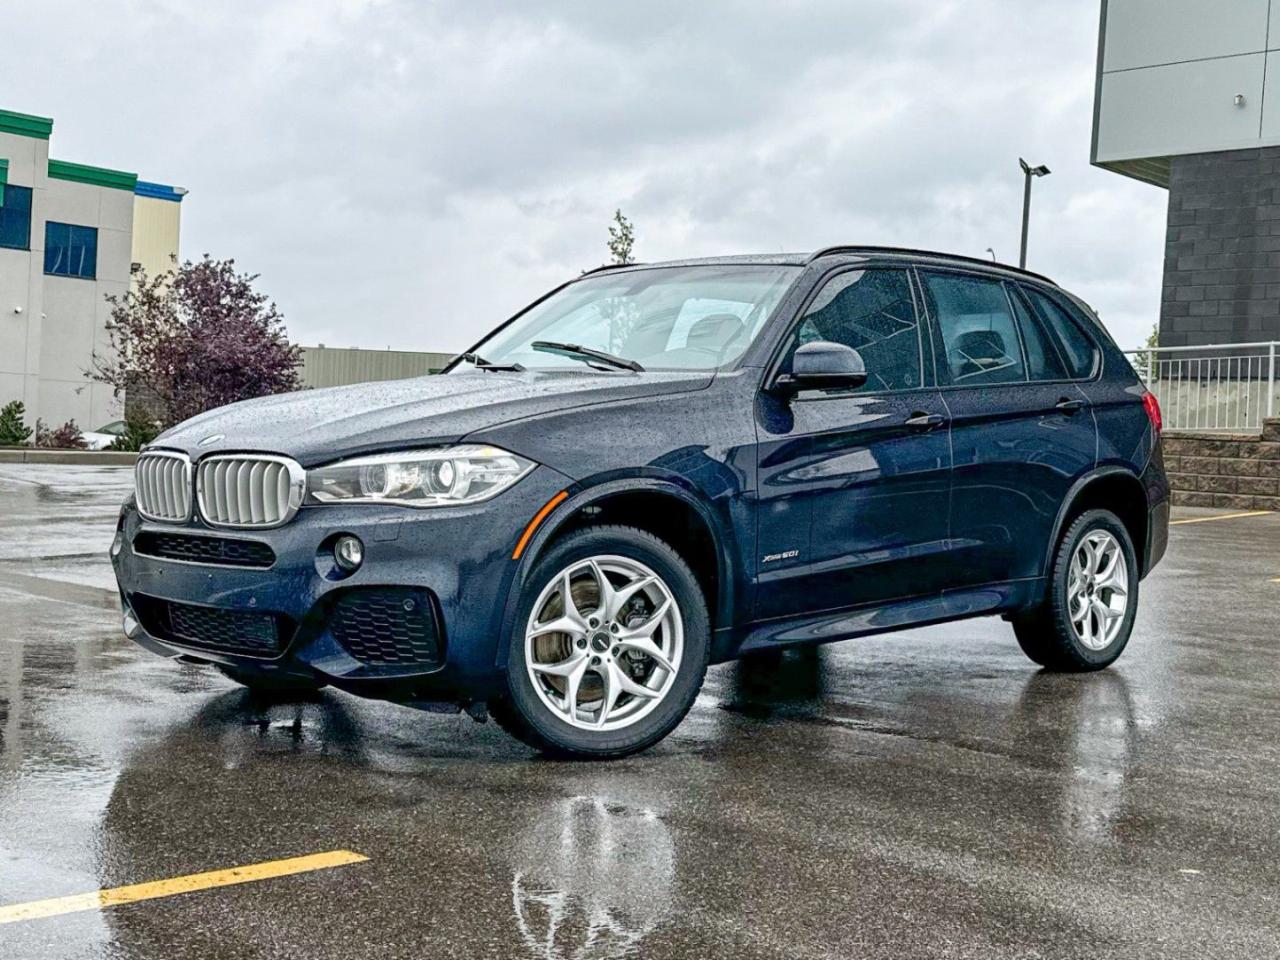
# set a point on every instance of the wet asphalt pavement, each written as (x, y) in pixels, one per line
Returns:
(926, 794)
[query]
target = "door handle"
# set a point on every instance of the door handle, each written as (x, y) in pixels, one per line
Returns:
(925, 421)
(1069, 406)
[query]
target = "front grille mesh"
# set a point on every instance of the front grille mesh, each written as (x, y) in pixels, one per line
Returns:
(248, 491)
(385, 626)
(223, 551)
(162, 482)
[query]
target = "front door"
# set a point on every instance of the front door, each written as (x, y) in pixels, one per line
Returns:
(854, 484)
(1022, 431)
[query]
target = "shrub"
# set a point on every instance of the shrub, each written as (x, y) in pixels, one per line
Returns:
(137, 434)
(65, 437)
(14, 431)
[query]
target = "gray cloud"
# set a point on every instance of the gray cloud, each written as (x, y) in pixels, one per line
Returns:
(408, 173)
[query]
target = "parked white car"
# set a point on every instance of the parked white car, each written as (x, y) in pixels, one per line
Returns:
(104, 436)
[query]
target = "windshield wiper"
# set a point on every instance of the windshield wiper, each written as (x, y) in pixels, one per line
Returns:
(576, 352)
(481, 363)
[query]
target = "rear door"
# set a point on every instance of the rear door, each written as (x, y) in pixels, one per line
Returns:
(854, 484)
(1124, 432)
(1021, 429)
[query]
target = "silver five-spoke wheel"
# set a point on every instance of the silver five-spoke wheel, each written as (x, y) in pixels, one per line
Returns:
(604, 642)
(1098, 589)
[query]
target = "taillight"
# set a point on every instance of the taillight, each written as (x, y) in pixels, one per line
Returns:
(1152, 406)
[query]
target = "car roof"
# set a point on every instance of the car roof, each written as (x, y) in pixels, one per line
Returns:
(848, 252)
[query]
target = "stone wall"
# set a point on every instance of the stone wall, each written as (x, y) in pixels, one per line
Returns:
(1236, 470)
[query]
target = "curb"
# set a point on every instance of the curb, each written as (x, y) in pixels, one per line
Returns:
(112, 458)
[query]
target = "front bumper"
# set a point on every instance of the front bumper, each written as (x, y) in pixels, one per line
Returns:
(456, 559)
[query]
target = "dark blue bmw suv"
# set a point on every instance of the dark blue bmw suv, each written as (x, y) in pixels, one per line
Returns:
(658, 467)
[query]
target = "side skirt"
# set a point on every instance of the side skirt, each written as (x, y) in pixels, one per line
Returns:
(847, 624)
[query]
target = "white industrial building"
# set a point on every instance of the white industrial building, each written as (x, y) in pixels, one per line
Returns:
(69, 234)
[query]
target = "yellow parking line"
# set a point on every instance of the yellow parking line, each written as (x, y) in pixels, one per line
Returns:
(99, 899)
(1225, 516)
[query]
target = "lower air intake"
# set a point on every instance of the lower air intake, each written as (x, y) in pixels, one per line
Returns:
(386, 626)
(212, 628)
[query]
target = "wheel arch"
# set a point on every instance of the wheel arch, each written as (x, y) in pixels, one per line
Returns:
(668, 510)
(1109, 488)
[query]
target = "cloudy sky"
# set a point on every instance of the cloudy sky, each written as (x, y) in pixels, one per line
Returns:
(409, 173)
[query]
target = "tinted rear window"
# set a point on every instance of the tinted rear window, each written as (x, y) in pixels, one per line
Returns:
(1078, 349)
(979, 340)
(1043, 360)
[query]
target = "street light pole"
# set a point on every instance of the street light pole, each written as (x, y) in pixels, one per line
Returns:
(1029, 171)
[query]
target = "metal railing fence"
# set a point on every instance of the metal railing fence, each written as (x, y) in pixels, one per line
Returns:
(1228, 387)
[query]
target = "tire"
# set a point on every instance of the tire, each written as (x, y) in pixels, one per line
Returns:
(1054, 634)
(275, 686)
(597, 654)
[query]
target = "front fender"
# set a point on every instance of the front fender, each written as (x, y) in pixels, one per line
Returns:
(584, 495)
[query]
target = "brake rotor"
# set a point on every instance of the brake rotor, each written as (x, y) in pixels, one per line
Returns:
(554, 647)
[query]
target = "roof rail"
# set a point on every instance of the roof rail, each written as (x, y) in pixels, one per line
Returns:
(608, 266)
(934, 254)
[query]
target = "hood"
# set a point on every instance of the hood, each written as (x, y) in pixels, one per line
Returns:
(318, 426)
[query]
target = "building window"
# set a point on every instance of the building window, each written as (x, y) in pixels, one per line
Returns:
(70, 251)
(15, 218)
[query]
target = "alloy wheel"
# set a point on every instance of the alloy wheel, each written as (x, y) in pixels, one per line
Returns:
(604, 642)
(1098, 589)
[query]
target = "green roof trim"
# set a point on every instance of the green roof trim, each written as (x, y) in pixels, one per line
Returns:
(25, 125)
(95, 176)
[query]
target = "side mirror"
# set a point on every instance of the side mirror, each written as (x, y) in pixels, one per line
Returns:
(823, 365)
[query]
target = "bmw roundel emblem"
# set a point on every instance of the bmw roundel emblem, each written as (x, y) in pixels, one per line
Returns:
(212, 439)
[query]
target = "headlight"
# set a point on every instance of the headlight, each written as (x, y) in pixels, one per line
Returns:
(419, 478)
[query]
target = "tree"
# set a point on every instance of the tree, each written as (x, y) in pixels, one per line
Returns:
(1142, 360)
(620, 313)
(193, 338)
(14, 431)
(622, 239)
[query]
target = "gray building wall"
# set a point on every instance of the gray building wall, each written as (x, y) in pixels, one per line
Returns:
(1222, 249)
(337, 366)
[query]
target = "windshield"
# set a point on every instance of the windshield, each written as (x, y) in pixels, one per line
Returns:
(664, 318)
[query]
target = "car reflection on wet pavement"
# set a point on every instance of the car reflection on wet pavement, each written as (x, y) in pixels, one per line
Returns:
(925, 794)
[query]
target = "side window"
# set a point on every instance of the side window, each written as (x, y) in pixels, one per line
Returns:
(15, 217)
(979, 339)
(1078, 350)
(871, 311)
(1043, 360)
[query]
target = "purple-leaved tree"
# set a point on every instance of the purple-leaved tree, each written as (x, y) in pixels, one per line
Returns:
(194, 338)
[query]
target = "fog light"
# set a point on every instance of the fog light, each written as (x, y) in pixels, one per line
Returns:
(348, 552)
(131, 626)
(117, 544)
